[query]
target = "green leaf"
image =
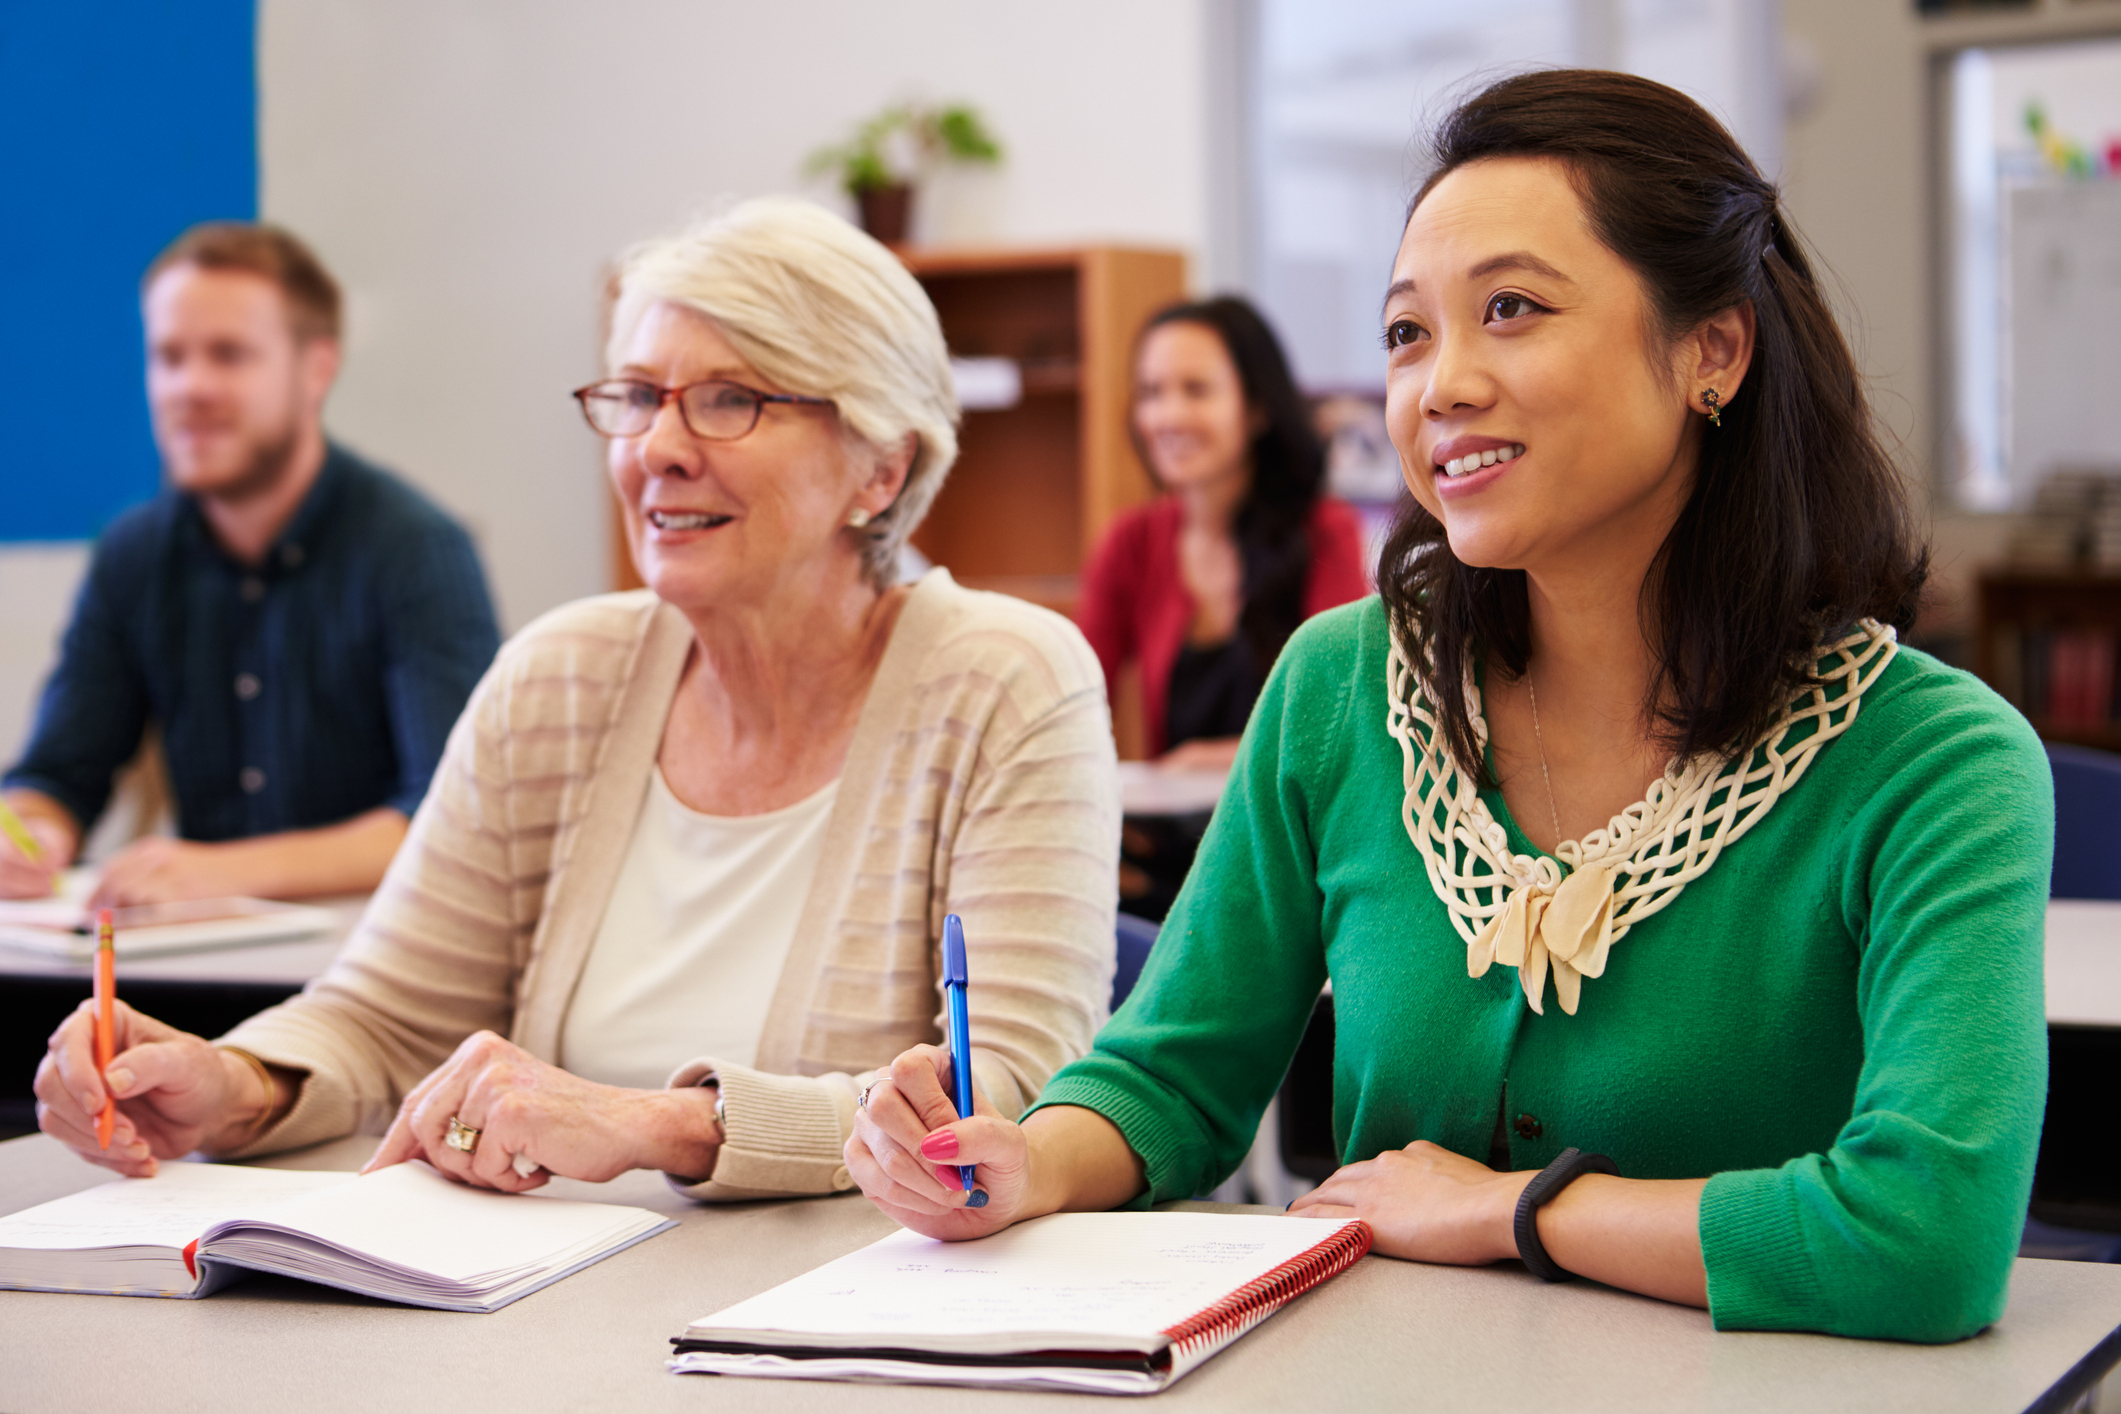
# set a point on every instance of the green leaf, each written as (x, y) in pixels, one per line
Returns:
(965, 137)
(956, 134)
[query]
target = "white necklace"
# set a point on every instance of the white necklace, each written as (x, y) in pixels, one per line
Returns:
(1520, 909)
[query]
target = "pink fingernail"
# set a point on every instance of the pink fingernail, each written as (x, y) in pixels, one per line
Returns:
(940, 1145)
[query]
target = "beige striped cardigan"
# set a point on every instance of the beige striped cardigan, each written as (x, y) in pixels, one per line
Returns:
(979, 780)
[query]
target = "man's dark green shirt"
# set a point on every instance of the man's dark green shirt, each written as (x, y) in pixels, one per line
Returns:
(299, 692)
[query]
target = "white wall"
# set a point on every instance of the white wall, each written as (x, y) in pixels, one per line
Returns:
(468, 167)
(37, 588)
(1346, 94)
(1859, 178)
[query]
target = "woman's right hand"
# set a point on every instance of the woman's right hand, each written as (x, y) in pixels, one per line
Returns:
(174, 1091)
(908, 1142)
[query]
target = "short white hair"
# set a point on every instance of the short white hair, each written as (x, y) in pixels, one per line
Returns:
(822, 310)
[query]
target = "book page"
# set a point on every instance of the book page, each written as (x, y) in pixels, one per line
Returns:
(411, 1218)
(169, 1210)
(1075, 1280)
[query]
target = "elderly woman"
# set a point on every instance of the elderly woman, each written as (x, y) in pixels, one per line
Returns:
(679, 884)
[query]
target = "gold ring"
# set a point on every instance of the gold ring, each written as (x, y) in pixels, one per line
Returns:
(461, 1136)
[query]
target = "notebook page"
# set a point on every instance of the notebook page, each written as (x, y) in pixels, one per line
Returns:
(169, 1210)
(410, 1217)
(1072, 1280)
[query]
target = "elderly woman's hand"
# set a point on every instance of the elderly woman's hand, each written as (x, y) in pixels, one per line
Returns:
(533, 1120)
(175, 1093)
(909, 1140)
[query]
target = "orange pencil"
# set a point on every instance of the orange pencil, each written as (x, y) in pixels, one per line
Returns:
(106, 1020)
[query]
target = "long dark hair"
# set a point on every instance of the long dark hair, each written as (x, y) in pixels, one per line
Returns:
(1797, 522)
(1288, 468)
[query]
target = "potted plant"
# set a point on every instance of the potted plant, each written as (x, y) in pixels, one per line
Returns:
(878, 165)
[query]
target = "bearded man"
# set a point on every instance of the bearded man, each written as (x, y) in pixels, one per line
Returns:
(302, 628)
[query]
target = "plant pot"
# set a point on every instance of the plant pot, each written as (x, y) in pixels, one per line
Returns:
(887, 212)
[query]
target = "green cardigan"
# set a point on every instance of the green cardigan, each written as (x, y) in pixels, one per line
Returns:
(1840, 1023)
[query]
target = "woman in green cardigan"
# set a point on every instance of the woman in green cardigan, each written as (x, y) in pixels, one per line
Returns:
(1621, 823)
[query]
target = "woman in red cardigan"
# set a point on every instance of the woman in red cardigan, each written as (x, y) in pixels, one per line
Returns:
(1204, 585)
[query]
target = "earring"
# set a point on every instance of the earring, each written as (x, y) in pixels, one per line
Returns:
(1714, 405)
(857, 518)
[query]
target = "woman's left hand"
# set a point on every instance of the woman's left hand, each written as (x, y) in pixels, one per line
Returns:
(1426, 1204)
(559, 1122)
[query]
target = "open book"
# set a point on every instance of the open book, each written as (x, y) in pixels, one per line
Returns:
(404, 1233)
(64, 926)
(1117, 1303)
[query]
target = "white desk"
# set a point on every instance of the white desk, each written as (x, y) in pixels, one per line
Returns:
(2084, 962)
(2083, 944)
(1146, 788)
(1384, 1335)
(271, 964)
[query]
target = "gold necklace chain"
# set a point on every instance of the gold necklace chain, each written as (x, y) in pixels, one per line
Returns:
(1552, 809)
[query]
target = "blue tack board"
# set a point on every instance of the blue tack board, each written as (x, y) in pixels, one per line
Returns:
(124, 123)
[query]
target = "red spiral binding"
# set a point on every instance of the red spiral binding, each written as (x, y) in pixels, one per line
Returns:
(1258, 1299)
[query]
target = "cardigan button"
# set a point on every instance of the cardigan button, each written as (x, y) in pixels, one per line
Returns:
(1529, 1127)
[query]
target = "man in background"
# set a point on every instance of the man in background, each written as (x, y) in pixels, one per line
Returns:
(302, 627)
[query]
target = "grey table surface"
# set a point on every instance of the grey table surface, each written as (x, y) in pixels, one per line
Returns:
(1385, 1335)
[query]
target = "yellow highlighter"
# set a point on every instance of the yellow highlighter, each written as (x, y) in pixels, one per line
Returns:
(18, 835)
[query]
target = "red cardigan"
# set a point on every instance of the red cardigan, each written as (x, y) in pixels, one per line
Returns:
(1134, 605)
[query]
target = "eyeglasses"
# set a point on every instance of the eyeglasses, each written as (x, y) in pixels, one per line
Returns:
(717, 410)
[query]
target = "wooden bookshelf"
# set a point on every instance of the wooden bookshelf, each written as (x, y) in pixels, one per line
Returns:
(2019, 616)
(1037, 483)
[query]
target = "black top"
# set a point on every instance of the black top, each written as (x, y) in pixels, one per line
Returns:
(1211, 693)
(300, 692)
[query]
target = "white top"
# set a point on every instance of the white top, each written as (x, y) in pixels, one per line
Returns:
(691, 947)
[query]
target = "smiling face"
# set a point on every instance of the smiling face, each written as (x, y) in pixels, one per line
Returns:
(1189, 406)
(735, 524)
(230, 389)
(1536, 412)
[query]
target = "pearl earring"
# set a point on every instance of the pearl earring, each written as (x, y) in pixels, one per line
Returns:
(1714, 404)
(857, 518)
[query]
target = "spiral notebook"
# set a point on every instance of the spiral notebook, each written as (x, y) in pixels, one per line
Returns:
(1111, 1303)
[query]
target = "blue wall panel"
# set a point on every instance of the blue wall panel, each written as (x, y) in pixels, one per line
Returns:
(122, 123)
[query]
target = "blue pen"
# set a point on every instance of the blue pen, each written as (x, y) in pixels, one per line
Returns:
(960, 1036)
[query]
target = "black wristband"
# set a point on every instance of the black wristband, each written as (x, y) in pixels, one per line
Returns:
(1568, 1166)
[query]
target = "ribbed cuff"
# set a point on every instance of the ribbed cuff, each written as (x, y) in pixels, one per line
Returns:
(1761, 1275)
(781, 1134)
(1170, 1160)
(322, 1109)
